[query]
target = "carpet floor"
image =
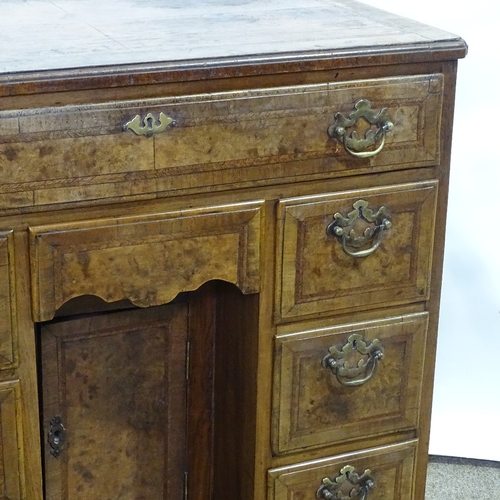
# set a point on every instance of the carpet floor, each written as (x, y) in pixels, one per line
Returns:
(451, 478)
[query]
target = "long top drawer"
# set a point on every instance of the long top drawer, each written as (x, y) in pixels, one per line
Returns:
(75, 154)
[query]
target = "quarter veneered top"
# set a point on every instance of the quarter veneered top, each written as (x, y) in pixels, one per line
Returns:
(72, 36)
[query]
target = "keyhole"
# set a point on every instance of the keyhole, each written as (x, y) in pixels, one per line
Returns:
(57, 438)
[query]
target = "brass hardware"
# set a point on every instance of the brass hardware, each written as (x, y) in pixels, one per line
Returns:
(340, 489)
(346, 374)
(361, 211)
(149, 125)
(186, 483)
(56, 436)
(188, 359)
(352, 143)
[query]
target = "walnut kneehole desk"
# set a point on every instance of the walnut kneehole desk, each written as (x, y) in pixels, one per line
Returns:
(221, 243)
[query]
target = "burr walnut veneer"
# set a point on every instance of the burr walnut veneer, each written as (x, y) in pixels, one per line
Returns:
(221, 241)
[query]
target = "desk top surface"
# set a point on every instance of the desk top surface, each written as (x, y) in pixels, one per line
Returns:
(59, 34)
(80, 37)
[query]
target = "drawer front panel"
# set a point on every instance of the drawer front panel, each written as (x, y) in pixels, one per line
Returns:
(321, 398)
(265, 135)
(11, 442)
(146, 259)
(389, 469)
(315, 272)
(8, 326)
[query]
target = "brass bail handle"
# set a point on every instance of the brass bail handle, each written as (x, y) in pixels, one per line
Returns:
(355, 145)
(359, 374)
(351, 242)
(359, 485)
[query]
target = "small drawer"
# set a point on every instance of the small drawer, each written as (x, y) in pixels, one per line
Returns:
(377, 474)
(12, 478)
(147, 259)
(8, 320)
(137, 148)
(347, 382)
(355, 249)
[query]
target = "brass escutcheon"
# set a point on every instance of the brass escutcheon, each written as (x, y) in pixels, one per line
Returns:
(149, 125)
(56, 436)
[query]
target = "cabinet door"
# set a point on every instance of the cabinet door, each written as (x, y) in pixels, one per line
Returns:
(114, 405)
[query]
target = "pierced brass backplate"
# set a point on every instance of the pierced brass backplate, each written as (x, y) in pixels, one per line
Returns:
(348, 485)
(359, 146)
(364, 368)
(349, 240)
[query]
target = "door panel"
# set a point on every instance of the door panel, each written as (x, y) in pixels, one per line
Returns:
(118, 383)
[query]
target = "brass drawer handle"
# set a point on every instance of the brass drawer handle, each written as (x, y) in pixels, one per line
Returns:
(347, 485)
(56, 436)
(349, 375)
(352, 143)
(149, 125)
(349, 240)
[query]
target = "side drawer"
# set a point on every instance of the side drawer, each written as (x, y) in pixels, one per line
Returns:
(146, 259)
(8, 320)
(12, 486)
(385, 473)
(320, 272)
(347, 382)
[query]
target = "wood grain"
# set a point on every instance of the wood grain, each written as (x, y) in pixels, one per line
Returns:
(391, 468)
(119, 385)
(201, 392)
(223, 216)
(8, 311)
(236, 379)
(315, 274)
(82, 152)
(220, 38)
(148, 260)
(312, 408)
(11, 437)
